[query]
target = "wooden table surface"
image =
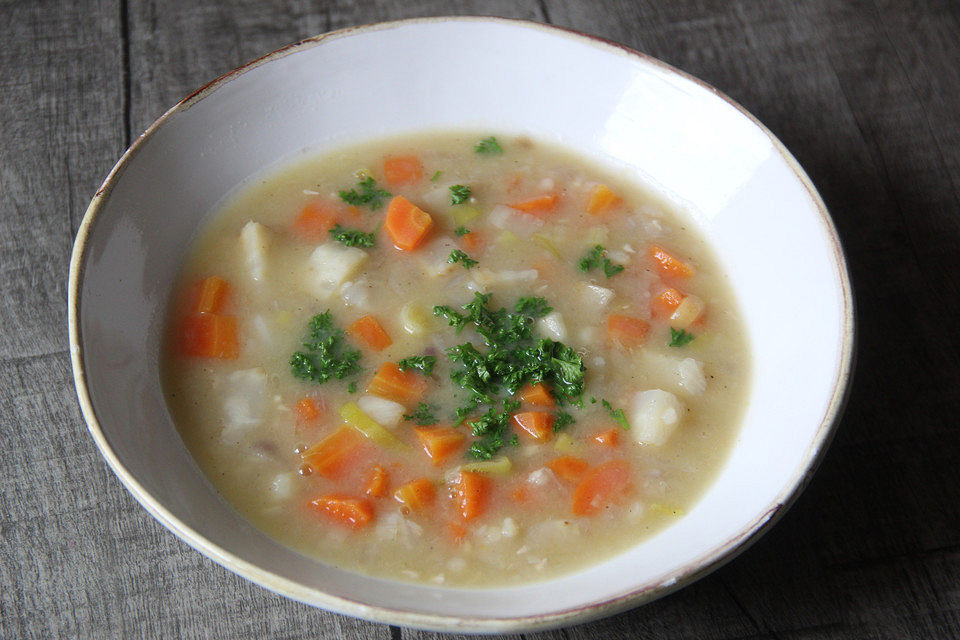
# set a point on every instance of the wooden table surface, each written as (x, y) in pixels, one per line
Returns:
(865, 93)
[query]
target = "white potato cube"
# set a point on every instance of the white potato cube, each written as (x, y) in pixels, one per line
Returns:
(595, 296)
(690, 376)
(384, 412)
(244, 402)
(435, 257)
(552, 326)
(330, 265)
(256, 241)
(654, 415)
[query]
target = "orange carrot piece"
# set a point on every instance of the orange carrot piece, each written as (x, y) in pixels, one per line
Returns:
(333, 455)
(212, 295)
(472, 492)
(472, 242)
(369, 331)
(537, 424)
(439, 443)
(351, 512)
(458, 532)
(308, 410)
(405, 387)
(416, 495)
(601, 486)
(609, 438)
(666, 302)
(538, 395)
(669, 264)
(378, 482)
(626, 331)
(399, 170)
(210, 336)
(569, 468)
(407, 224)
(540, 204)
(314, 222)
(520, 494)
(602, 199)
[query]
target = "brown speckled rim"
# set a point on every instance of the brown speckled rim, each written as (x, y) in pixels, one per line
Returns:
(690, 572)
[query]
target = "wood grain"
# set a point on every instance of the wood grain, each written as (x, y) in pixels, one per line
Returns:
(865, 93)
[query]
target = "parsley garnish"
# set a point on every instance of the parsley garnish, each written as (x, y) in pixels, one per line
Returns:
(436, 176)
(562, 421)
(488, 145)
(328, 354)
(533, 307)
(616, 414)
(596, 258)
(459, 193)
(424, 364)
(680, 338)
(512, 358)
(515, 441)
(368, 195)
(423, 415)
(461, 231)
(352, 387)
(353, 237)
(459, 256)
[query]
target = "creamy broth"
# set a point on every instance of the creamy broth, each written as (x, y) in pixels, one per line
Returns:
(554, 497)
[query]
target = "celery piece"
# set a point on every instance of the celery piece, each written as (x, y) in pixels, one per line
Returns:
(498, 466)
(363, 423)
(596, 235)
(507, 237)
(464, 213)
(565, 444)
(656, 507)
(547, 244)
(415, 319)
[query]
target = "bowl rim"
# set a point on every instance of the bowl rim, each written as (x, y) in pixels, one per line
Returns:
(693, 570)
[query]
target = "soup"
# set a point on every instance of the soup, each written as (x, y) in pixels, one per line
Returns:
(457, 359)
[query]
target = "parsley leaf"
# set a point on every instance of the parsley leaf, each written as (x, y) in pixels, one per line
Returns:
(616, 414)
(424, 364)
(459, 256)
(490, 430)
(369, 194)
(680, 338)
(423, 415)
(488, 145)
(436, 176)
(596, 258)
(515, 441)
(327, 356)
(459, 193)
(562, 421)
(353, 237)
(456, 320)
(461, 231)
(533, 307)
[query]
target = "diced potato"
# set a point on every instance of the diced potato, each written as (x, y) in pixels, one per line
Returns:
(687, 312)
(487, 277)
(464, 213)
(690, 376)
(244, 402)
(415, 319)
(256, 241)
(595, 296)
(330, 265)
(565, 443)
(356, 293)
(597, 235)
(282, 486)
(435, 257)
(384, 412)
(552, 326)
(655, 414)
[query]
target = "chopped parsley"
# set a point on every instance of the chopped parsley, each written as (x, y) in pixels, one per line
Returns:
(436, 176)
(423, 415)
(459, 193)
(488, 146)
(512, 358)
(459, 256)
(328, 355)
(352, 387)
(461, 231)
(680, 338)
(353, 237)
(533, 307)
(423, 364)
(369, 194)
(562, 421)
(515, 441)
(616, 414)
(596, 258)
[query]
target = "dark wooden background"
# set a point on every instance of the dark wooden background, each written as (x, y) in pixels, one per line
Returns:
(866, 93)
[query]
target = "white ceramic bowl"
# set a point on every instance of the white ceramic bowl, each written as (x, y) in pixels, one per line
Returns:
(741, 187)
